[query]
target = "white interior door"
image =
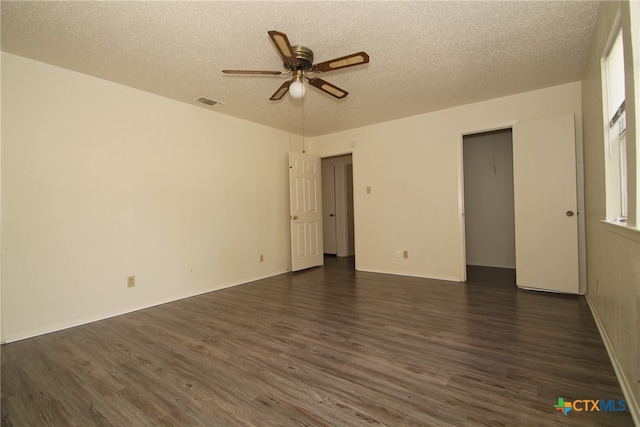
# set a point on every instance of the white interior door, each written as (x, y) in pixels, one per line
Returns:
(330, 244)
(545, 204)
(305, 196)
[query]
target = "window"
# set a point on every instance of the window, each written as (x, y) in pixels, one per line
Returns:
(615, 131)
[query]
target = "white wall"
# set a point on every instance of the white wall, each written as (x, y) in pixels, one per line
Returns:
(413, 166)
(613, 252)
(488, 199)
(1, 222)
(101, 181)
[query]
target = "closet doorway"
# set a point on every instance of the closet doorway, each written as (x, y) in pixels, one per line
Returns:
(337, 205)
(489, 199)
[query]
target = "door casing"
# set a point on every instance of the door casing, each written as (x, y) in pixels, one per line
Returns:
(579, 208)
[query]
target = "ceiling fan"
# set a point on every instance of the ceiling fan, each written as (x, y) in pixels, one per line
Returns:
(298, 60)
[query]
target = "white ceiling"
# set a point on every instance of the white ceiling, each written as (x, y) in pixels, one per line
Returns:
(425, 55)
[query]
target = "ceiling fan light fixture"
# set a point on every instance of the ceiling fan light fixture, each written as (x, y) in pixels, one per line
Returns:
(298, 61)
(297, 90)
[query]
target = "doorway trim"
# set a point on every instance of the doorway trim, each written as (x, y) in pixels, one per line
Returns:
(355, 202)
(462, 256)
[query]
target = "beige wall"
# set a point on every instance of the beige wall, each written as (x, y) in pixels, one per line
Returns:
(413, 167)
(101, 181)
(613, 253)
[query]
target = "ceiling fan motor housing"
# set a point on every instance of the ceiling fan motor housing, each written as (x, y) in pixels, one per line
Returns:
(305, 59)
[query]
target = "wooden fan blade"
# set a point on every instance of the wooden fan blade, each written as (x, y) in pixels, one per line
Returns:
(253, 72)
(284, 47)
(342, 62)
(282, 91)
(328, 88)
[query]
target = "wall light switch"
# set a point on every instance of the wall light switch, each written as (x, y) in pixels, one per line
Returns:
(405, 254)
(131, 281)
(368, 189)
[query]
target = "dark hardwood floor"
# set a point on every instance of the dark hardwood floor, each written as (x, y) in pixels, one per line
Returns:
(325, 347)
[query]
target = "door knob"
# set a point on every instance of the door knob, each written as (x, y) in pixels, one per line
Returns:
(569, 213)
(294, 216)
(330, 214)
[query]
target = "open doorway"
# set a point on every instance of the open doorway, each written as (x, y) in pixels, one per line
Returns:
(489, 205)
(337, 206)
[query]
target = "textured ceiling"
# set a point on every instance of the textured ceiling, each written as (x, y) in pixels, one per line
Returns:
(425, 56)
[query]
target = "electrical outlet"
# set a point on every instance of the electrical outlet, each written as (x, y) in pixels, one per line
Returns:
(405, 254)
(261, 258)
(398, 253)
(131, 281)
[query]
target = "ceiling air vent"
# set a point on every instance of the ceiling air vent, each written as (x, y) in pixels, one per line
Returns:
(207, 101)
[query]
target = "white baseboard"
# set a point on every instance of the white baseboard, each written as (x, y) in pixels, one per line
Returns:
(632, 403)
(125, 310)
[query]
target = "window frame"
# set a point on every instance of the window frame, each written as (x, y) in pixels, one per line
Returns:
(614, 121)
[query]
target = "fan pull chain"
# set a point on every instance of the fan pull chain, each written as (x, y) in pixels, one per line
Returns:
(303, 147)
(290, 121)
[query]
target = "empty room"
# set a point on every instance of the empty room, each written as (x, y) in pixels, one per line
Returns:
(320, 213)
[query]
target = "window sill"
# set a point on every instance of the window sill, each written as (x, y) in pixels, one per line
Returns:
(622, 229)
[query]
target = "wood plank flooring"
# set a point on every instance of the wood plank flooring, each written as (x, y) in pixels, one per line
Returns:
(325, 347)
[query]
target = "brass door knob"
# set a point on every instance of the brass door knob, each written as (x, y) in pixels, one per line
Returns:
(569, 213)
(294, 216)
